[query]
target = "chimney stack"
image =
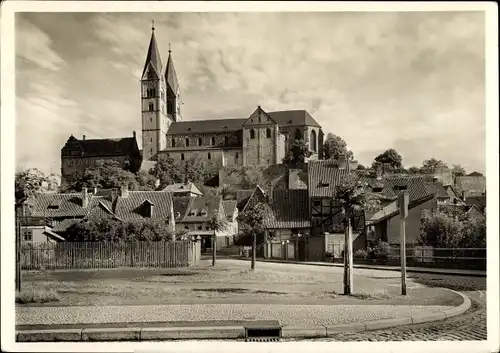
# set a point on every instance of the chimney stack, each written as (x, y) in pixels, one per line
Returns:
(379, 172)
(342, 161)
(85, 198)
(124, 191)
(83, 137)
(134, 134)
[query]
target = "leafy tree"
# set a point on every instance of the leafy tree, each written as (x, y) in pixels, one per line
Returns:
(361, 167)
(334, 146)
(457, 170)
(431, 165)
(146, 181)
(391, 157)
(252, 219)
(216, 223)
(194, 170)
(299, 151)
(28, 184)
(167, 171)
(253, 176)
(413, 170)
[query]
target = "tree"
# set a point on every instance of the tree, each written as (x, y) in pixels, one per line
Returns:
(168, 171)
(431, 165)
(194, 170)
(334, 146)
(253, 217)
(413, 170)
(146, 181)
(299, 151)
(391, 157)
(217, 224)
(457, 170)
(361, 167)
(28, 184)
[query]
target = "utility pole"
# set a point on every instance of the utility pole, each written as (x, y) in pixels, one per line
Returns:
(18, 248)
(403, 211)
(254, 250)
(348, 258)
(214, 248)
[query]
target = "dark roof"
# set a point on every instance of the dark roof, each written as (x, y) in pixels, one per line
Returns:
(229, 208)
(323, 177)
(104, 147)
(171, 75)
(475, 174)
(63, 225)
(288, 209)
(293, 118)
(437, 189)
(479, 201)
(205, 126)
(242, 197)
(153, 56)
(63, 205)
(130, 207)
(414, 185)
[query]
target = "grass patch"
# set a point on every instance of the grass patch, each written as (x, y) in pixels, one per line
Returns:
(37, 295)
(221, 290)
(370, 296)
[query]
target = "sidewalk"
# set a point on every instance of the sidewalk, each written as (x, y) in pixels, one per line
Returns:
(445, 271)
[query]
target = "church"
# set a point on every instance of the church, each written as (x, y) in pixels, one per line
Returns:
(261, 138)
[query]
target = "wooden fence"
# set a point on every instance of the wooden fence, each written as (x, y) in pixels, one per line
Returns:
(95, 255)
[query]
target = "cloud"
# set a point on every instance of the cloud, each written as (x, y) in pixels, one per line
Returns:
(35, 46)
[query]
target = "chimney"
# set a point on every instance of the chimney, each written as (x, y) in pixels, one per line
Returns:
(124, 191)
(379, 172)
(85, 198)
(342, 161)
(134, 134)
(83, 137)
(464, 195)
(270, 191)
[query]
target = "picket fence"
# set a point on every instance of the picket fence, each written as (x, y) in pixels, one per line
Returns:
(96, 255)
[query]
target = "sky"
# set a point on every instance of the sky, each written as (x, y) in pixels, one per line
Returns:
(412, 81)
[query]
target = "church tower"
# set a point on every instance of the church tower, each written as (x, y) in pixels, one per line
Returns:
(174, 99)
(155, 120)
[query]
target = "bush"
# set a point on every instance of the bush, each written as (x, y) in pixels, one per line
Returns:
(37, 295)
(361, 254)
(379, 252)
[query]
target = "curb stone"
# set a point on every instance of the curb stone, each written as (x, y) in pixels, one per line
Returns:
(231, 332)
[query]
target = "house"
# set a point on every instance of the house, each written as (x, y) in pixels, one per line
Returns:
(474, 212)
(192, 215)
(478, 201)
(444, 195)
(471, 185)
(183, 189)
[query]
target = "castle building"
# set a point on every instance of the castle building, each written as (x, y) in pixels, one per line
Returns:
(263, 138)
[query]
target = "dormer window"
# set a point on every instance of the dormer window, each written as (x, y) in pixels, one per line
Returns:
(324, 184)
(377, 189)
(203, 213)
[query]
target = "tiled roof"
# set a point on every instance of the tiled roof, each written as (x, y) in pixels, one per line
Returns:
(471, 183)
(293, 118)
(153, 56)
(437, 189)
(479, 201)
(242, 197)
(288, 209)
(63, 225)
(131, 207)
(229, 208)
(183, 187)
(62, 205)
(475, 174)
(198, 209)
(126, 146)
(323, 177)
(205, 126)
(415, 187)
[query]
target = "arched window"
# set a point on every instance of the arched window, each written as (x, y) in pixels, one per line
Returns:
(298, 134)
(173, 142)
(313, 141)
(182, 156)
(200, 141)
(209, 155)
(268, 133)
(187, 141)
(151, 107)
(252, 134)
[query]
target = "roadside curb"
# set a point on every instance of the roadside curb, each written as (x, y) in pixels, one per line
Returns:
(429, 270)
(231, 332)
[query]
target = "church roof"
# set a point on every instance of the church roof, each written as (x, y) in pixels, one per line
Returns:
(293, 118)
(171, 75)
(153, 56)
(126, 146)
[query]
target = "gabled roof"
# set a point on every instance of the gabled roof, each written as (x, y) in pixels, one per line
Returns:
(479, 201)
(153, 56)
(183, 187)
(475, 174)
(130, 207)
(171, 75)
(258, 195)
(437, 189)
(197, 209)
(259, 117)
(63, 225)
(126, 146)
(392, 209)
(293, 118)
(288, 209)
(475, 208)
(68, 205)
(205, 126)
(242, 197)
(323, 177)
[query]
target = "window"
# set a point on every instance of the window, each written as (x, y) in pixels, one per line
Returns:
(313, 141)
(213, 141)
(182, 156)
(199, 227)
(151, 139)
(268, 133)
(187, 141)
(209, 155)
(170, 109)
(28, 234)
(252, 134)
(186, 227)
(237, 155)
(226, 140)
(173, 142)
(298, 134)
(200, 141)
(150, 151)
(151, 107)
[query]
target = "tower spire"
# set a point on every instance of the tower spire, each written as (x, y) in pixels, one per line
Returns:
(152, 25)
(169, 48)
(153, 55)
